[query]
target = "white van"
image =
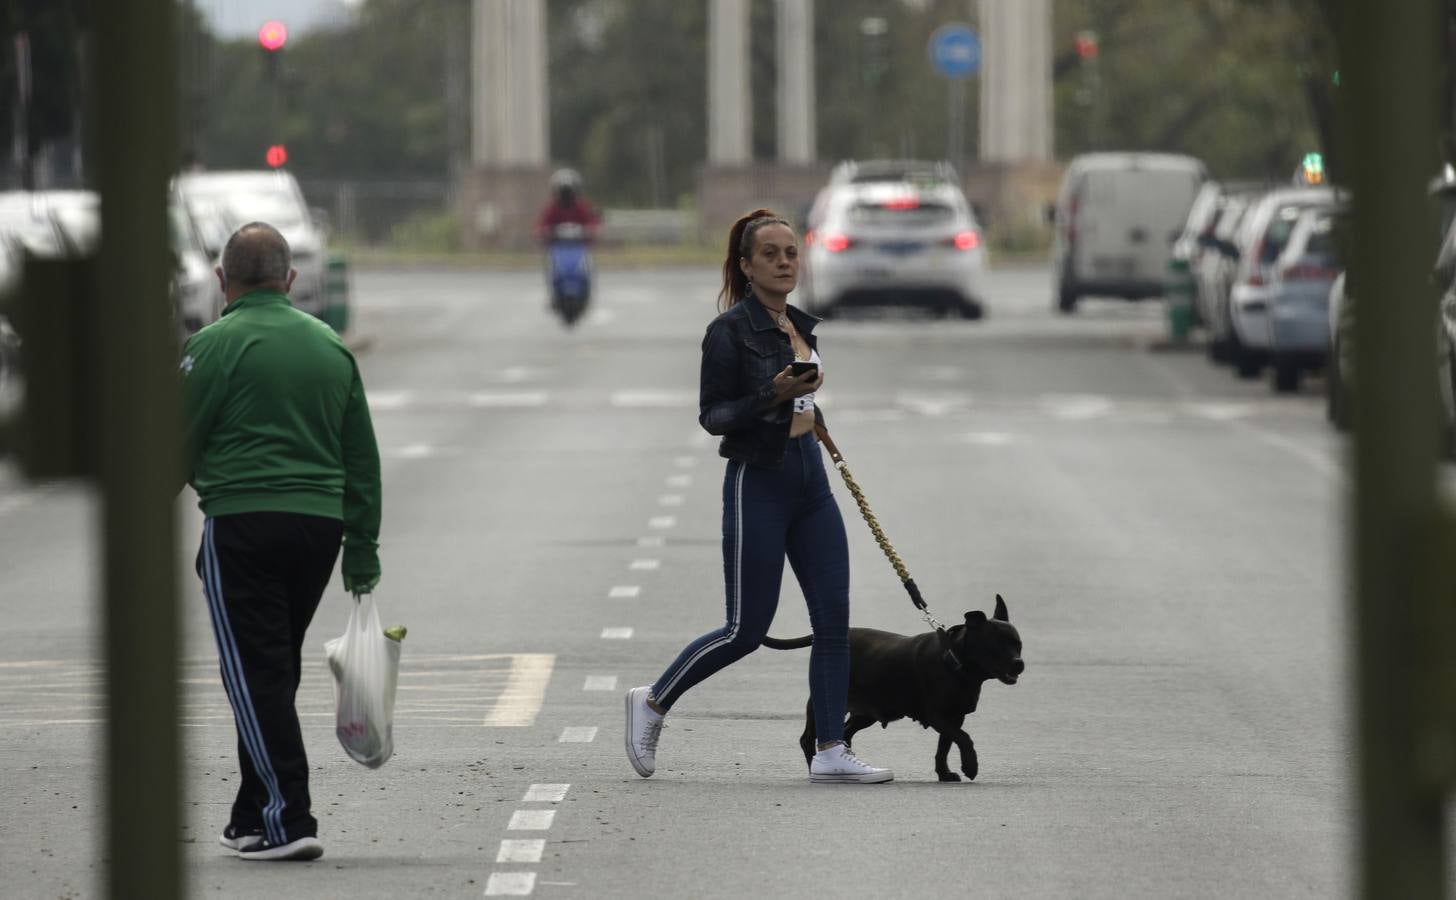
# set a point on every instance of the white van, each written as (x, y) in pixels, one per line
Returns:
(1116, 219)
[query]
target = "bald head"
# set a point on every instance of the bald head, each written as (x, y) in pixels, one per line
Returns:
(256, 256)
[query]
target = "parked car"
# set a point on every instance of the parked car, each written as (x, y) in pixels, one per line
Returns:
(902, 171)
(26, 218)
(1116, 218)
(1299, 292)
(1215, 270)
(274, 197)
(1338, 374)
(893, 242)
(1243, 323)
(196, 292)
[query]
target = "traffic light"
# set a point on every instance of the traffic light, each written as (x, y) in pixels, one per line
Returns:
(276, 156)
(272, 36)
(1086, 45)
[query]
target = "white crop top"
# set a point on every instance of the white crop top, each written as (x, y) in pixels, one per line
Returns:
(806, 402)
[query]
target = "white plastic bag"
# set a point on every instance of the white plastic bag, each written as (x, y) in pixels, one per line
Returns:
(365, 664)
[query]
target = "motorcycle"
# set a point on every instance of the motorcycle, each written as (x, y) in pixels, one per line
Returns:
(569, 270)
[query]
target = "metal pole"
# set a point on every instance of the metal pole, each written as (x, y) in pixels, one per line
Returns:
(139, 457)
(1389, 55)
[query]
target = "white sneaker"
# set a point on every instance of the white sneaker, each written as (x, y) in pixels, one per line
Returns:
(837, 765)
(644, 726)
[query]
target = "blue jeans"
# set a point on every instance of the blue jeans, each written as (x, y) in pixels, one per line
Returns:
(768, 515)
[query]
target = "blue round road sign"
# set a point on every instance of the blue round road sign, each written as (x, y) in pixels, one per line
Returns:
(955, 50)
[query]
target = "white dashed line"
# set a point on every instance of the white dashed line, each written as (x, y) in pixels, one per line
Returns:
(931, 405)
(546, 793)
(521, 851)
(577, 734)
(651, 540)
(645, 565)
(510, 884)
(987, 438)
(508, 399)
(415, 451)
(670, 500)
(651, 399)
(600, 683)
(531, 820)
(624, 590)
(384, 400)
(662, 522)
(525, 688)
(1076, 407)
(685, 462)
(616, 634)
(679, 481)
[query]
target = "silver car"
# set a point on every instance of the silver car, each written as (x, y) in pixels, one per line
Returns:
(1299, 292)
(273, 197)
(883, 241)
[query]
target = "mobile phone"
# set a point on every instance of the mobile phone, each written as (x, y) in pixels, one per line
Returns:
(798, 369)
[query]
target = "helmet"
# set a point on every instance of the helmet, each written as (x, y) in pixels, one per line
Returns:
(565, 180)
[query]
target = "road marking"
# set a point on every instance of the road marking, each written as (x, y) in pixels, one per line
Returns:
(508, 399)
(521, 851)
(518, 374)
(11, 504)
(685, 462)
(531, 820)
(577, 734)
(931, 405)
(987, 438)
(524, 692)
(670, 500)
(600, 683)
(624, 590)
(645, 565)
(1076, 407)
(651, 540)
(679, 481)
(415, 451)
(510, 884)
(546, 793)
(654, 399)
(380, 401)
(662, 522)
(616, 634)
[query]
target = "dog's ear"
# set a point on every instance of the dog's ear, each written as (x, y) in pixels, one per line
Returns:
(975, 618)
(1001, 609)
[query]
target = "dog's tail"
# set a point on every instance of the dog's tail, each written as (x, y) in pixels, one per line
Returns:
(789, 644)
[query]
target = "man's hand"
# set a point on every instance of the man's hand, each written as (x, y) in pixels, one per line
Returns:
(361, 585)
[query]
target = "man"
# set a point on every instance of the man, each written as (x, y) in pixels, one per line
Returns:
(281, 452)
(567, 207)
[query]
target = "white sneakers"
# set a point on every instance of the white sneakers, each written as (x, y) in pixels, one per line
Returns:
(837, 765)
(644, 726)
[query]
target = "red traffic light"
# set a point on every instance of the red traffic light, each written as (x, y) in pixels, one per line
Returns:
(272, 36)
(1087, 45)
(276, 156)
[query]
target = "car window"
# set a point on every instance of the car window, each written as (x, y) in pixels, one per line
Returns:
(278, 208)
(903, 214)
(1321, 241)
(1276, 234)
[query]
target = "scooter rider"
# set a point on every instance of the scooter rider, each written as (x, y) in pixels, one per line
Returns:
(567, 206)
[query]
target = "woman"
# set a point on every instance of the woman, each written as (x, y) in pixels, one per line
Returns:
(776, 498)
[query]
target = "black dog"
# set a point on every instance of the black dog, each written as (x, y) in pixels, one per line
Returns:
(933, 678)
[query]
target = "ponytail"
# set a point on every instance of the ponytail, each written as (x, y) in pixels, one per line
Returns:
(740, 246)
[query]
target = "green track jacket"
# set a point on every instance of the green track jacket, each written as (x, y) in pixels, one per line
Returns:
(276, 421)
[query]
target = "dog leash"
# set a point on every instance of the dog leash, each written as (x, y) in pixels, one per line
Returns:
(877, 531)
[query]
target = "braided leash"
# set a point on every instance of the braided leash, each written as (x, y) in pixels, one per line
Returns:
(876, 530)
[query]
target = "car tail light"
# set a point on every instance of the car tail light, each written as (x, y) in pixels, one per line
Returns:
(809, 237)
(908, 201)
(1306, 272)
(964, 240)
(1256, 280)
(837, 243)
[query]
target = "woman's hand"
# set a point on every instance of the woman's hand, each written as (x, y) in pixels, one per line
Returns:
(787, 385)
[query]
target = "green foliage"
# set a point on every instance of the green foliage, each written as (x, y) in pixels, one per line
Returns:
(427, 231)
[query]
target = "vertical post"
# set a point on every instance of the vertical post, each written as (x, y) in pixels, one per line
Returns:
(955, 119)
(20, 119)
(730, 128)
(1016, 81)
(1390, 77)
(796, 125)
(139, 456)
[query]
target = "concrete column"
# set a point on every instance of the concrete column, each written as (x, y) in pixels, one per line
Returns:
(730, 127)
(511, 113)
(796, 130)
(1016, 81)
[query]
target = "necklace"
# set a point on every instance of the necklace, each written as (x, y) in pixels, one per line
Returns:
(781, 315)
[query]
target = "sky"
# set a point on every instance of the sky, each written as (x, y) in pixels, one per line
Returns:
(240, 18)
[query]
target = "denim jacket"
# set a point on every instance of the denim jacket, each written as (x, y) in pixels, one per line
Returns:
(742, 352)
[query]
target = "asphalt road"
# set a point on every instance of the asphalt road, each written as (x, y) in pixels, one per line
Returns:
(1168, 540)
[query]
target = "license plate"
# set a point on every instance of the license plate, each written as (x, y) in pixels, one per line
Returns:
(874, 272)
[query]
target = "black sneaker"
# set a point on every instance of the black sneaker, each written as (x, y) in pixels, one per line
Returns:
(235, 838)
(298, 848)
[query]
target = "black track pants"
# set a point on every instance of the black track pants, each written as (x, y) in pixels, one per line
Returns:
(263, 574)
